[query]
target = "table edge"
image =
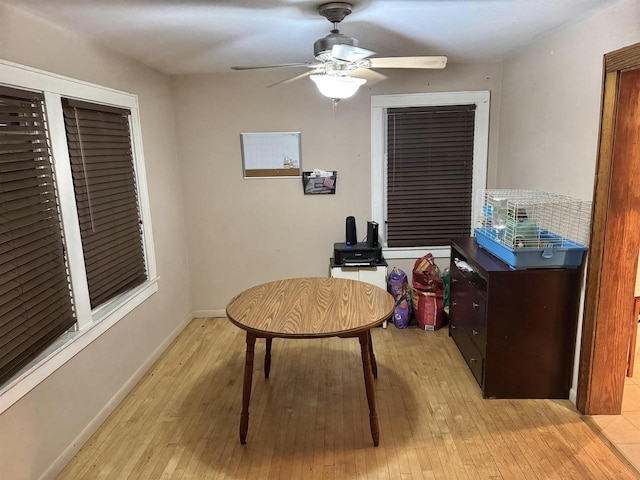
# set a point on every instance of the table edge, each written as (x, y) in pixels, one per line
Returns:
(342, 333)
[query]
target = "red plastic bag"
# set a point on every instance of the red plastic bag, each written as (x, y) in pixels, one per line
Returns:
(427, 293)
(426, 275)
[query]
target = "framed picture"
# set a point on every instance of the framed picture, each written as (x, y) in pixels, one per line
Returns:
(271, 154)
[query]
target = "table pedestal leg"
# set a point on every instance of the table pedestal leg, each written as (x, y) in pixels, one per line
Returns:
(374, 364)
(267, 358)
(246, 389)
(368, 383)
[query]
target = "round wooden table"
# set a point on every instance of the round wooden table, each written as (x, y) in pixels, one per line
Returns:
(310, 308)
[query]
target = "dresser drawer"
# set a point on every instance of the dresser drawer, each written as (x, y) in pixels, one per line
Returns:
(476, 324)
(468, 349)
(468, 305)
(461, 295)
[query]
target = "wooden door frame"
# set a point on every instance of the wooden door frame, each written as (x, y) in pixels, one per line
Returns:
(604, 335)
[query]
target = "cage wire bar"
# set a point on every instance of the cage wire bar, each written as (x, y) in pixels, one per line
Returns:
(528, 220)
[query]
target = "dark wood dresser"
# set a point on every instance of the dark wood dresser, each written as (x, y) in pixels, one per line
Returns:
(516, 329)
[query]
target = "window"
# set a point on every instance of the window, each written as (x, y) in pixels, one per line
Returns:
(35, 293)
(429, 174)
(429, 157)
(82, 217)
(105, 188)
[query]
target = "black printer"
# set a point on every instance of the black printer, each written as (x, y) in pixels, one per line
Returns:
(359, 254)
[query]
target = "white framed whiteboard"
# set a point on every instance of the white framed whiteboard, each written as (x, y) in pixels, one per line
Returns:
(271, 154)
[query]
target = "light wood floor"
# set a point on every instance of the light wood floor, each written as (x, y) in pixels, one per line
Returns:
(623, 431)
(310, 419)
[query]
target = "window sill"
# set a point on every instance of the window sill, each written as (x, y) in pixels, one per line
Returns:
(390, 253)
(73, 343)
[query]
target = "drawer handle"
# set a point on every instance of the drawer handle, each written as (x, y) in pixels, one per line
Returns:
(475, 332)
(473, 360)
(454, 280)
(475, 305)
(455, 304)
(453, 327)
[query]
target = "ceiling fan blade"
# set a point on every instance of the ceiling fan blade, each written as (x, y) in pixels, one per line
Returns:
(349, 53)
(285, 65)
(369, 75)
(292, 79)
(439, 61)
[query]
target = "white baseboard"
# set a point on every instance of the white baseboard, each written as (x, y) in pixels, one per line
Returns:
(209, 313)
(65, 457)
(573, 396)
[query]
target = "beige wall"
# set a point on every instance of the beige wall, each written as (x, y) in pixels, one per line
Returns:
(45, 423)
(551, 104)
(549, 121)
(242, 232)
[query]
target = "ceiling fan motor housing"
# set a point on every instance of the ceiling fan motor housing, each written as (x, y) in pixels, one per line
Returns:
(322, 47)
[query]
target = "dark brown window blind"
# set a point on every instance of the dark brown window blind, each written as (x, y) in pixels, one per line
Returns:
(104, 181)
(35, 294)
(429, 174)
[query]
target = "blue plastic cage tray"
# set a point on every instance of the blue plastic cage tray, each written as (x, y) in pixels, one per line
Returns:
(557, 252)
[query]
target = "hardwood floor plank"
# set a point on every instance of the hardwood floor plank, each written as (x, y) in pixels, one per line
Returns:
(310, 418)
(590, 442)
(573, 442)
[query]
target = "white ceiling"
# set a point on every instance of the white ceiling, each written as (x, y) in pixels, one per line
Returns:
(199, 36)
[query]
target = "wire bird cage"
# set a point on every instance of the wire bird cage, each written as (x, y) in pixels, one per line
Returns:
(533, 229)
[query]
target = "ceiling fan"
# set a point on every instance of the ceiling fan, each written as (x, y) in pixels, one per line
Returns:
(340, 65)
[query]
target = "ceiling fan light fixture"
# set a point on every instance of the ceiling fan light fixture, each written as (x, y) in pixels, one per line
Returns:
(337, 87)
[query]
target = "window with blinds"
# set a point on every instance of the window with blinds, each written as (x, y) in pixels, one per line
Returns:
(35, 294)
(100, 151)
(429, 174)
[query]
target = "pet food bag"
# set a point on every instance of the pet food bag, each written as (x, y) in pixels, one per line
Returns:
(429, 309)
(427, 293)
(399, 286)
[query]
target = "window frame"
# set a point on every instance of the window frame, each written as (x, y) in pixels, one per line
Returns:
(379, 106)
(90, 323)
